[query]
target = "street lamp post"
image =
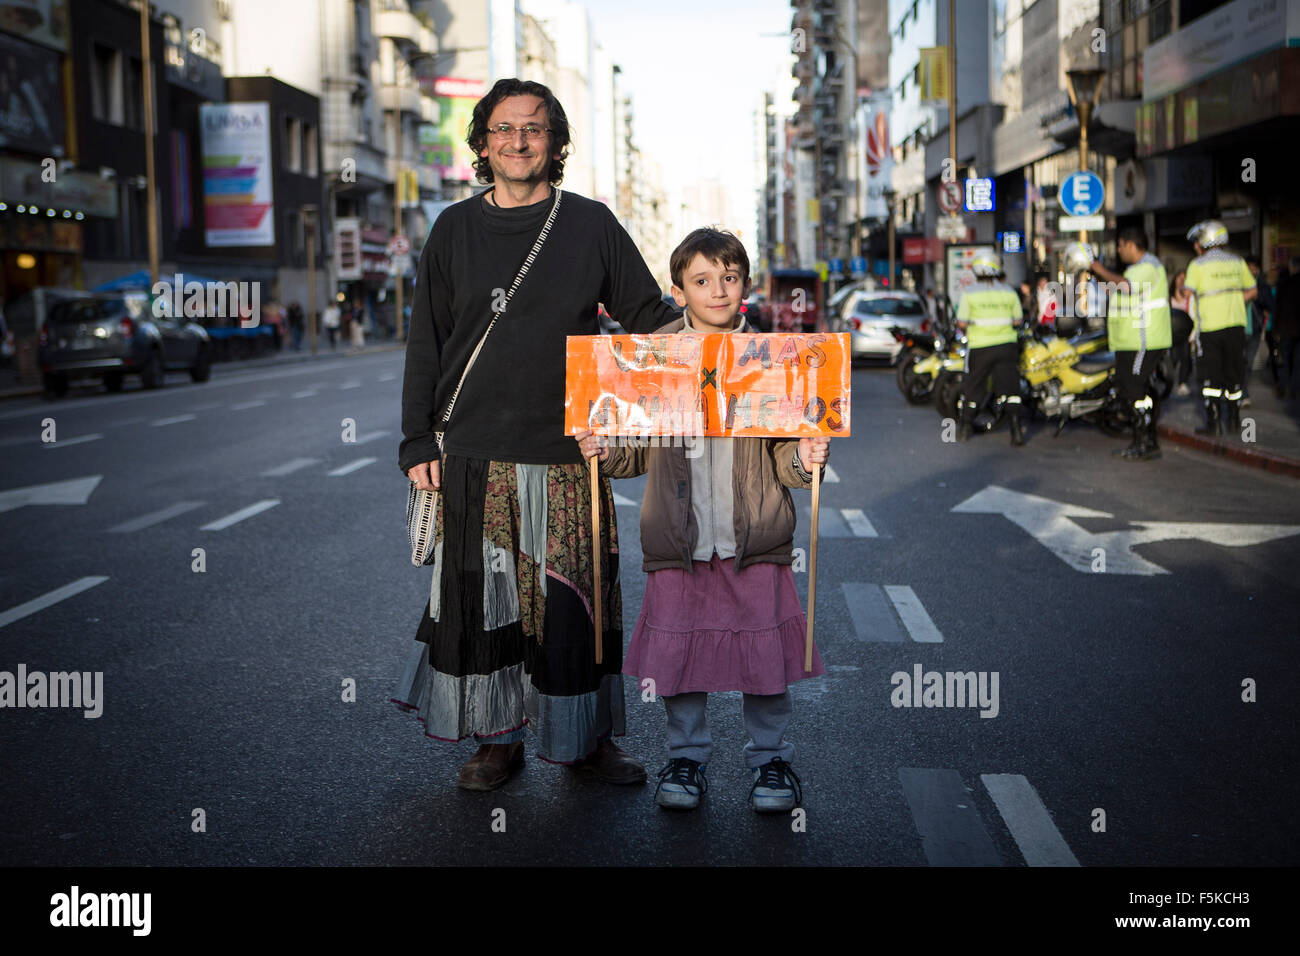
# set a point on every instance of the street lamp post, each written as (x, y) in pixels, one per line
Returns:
(1084, 86)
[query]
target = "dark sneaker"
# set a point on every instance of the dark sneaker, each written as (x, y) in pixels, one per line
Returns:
(681, 782)
(776, 788)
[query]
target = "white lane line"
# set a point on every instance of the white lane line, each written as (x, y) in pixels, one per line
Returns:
(858, 523)
(206, 406)
(352, 384)
(387, 377)
(72, 441)
(371, 437)
(622, 500)
(155, 517)
(173, 420)
(351, 467)
(308, 393)
(828, 477)
(1028, 820)
(912, 611)
(127, 421)
(223, 523)
(243, 405)
(289, 467)
(51, 597)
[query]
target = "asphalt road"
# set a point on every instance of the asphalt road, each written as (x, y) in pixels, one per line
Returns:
(1118, 736)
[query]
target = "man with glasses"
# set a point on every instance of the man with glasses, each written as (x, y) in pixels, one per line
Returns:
(506, 640)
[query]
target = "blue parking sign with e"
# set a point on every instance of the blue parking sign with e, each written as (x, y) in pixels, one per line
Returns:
(858, 265)
(837, 266)
(1081, 194)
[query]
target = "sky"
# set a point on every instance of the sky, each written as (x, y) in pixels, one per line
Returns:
(695, 70)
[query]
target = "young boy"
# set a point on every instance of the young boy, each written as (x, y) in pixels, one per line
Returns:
(721, 612)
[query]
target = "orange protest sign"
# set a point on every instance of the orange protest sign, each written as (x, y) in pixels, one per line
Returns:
(720, 384)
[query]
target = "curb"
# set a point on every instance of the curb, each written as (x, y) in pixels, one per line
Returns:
(1256, 458)
(25, 391)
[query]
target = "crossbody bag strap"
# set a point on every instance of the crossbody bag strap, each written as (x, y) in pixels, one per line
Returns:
(523, 271)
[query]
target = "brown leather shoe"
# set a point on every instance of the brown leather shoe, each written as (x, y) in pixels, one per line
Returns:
(612, 765)
(491, 766)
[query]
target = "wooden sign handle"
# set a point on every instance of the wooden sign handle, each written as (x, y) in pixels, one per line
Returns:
(597, 557)
(812, 569)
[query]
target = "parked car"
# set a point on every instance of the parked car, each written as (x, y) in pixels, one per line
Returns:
(870, 316)
(757, 312)
(109, 336)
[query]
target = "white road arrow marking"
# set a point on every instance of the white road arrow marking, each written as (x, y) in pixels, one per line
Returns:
(75, 491)
(1049, 522)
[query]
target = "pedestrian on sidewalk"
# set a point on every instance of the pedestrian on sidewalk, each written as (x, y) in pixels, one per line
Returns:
(507, 642)
(1257, 319)
(330, 319)
(296, 325)
(358, 326)
(1180, 323)
(717, 534)
(1287, 325)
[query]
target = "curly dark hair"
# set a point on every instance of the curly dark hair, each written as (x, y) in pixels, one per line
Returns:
(558, 141)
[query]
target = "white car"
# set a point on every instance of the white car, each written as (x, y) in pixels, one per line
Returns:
(869, 317)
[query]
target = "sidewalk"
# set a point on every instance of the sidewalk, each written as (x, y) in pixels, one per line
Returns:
(1276, 447)
(11, 387)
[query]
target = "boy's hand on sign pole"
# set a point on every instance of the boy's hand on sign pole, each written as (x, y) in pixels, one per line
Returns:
(592, 445)
(814, 451)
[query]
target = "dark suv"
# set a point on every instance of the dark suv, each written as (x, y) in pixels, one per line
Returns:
(111, 336)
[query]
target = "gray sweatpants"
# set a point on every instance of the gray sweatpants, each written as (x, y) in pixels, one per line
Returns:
(766, 718)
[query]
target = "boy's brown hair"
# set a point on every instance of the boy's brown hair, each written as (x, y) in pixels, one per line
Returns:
(718, 246)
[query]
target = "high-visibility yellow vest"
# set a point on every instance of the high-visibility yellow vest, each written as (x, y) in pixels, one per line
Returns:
(989, 310)
(1139, 318)
(1219, 279)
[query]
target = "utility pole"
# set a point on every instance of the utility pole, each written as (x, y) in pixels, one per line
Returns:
(151, 203)
(952, 84)
(309, 222)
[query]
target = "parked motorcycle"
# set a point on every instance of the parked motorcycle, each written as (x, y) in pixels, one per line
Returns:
(925, 356)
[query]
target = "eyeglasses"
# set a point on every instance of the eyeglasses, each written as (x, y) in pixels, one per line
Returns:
(506, 131)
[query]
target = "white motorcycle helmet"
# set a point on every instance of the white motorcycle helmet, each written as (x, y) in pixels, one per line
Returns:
(985, 265)
(1208, 233)
(1076, 257)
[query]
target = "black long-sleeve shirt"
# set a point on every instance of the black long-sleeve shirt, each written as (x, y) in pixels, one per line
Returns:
(511, 407)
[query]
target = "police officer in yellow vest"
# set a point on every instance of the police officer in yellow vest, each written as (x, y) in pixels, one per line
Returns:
(1221, 284)
(989, 313)
(1139, 333)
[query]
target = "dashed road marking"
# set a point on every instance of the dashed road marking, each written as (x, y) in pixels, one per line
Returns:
(352, 384)
(173, 420)
(243, 405)
(289, 467)
(222, 523)
(913, 613)
(63, 442)
(306, 393)
(51, 597)
(351, 467)
(951, 831)
(156, 517)
(858, 523)
(829, 476)
(830, 523)
(1030, 824)
(387, 377)
(371, 437)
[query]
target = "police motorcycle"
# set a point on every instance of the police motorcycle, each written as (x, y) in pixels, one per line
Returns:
(926, 355)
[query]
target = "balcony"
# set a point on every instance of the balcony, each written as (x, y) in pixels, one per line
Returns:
(398, 25)
(428, 109)
(406, 98)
